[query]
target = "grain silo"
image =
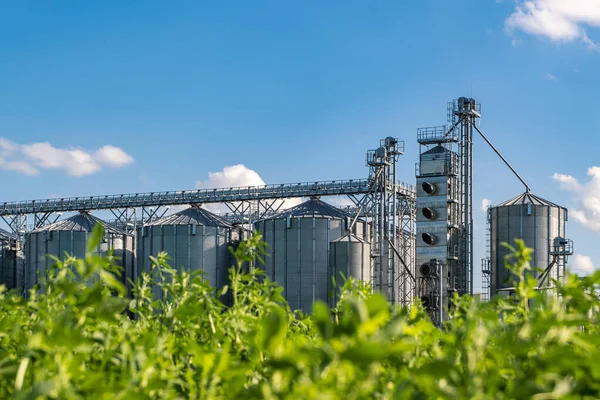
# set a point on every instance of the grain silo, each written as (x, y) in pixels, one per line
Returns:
(71, 236)
(11, 261)
(298, 249)
(538, 222)
(194, 239)
(349, 256)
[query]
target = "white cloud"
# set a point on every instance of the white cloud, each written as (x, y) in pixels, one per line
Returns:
(485, 203)
(557, 20)
(586, 195)
(30, 158)
(549, 77)
(236, 176)
(113, 156)
(18, 166)
(582, 265)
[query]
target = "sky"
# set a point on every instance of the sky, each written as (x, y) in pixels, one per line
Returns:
(137, 96)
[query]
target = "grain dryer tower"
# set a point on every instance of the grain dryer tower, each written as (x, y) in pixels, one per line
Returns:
(438, 221)
(445, 208)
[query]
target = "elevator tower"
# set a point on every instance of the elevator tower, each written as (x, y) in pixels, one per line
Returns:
(444, 225)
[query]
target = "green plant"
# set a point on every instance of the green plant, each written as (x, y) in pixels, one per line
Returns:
(81, 337)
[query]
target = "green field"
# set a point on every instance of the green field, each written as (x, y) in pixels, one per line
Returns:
(82, 337)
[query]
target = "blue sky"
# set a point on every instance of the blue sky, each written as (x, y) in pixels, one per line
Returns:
(156, 94)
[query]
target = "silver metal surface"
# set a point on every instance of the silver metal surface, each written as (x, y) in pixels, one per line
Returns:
(391, 218)
(196, 196)
(194, 239)
(535, 220)
(11, 261)
(439, 225)
(349, 256)
(445, 216)
(298, 249)
(70, 236)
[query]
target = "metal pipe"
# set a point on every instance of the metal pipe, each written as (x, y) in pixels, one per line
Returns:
(527, 188)
(546, 272)
(540, 281)
(363, 200)
(440, 269)
(453, 127)
(412, 277)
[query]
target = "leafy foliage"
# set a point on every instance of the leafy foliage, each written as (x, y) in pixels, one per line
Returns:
(81, 337)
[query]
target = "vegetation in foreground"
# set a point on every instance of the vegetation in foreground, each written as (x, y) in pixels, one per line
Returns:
(82, 338)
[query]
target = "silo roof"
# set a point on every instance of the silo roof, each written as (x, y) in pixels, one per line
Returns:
(439, 149)
(313, 208)
(528, 198)
(194, 215)
(349, 238)
(82, 222)
(5, 235)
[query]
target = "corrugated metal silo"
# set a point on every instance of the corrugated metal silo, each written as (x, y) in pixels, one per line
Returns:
(71, 236)
(298, 251)
(349, 256)
(535, 220)
(194, 239)
(11, 260)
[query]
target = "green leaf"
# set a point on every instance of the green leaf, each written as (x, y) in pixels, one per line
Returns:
(272, 329)
(322, 319)
(112, 282)
(95, 238)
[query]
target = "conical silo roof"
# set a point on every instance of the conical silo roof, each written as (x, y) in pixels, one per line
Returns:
(194, 215)
(352, 238)
(439, 149)
(81, 222)
(313, 208)
(528, 198)
(5, 235)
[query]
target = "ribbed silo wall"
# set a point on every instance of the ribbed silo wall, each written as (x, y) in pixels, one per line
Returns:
(348, 257)
(9, 266)
(189, 247)
(41, 245)
(298, 255)
(537, 225)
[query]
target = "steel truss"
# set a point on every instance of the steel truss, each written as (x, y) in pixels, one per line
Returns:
(391, 216)
(387, 205)
(463, 114)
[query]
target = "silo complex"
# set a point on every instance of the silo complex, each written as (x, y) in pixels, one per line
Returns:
(535, 220)
(194, 239)
(71, 236)
(298, 250)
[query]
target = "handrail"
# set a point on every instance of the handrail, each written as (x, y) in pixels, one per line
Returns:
(196, 196)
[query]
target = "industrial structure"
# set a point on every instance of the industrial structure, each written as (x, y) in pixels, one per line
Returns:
(70, 236)
(349, 256)
(11, 260)
(298, 246)
(444, 222)
(194, 239)
(407, 242)
(380, 201)
(445, 208)
(541, 225)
